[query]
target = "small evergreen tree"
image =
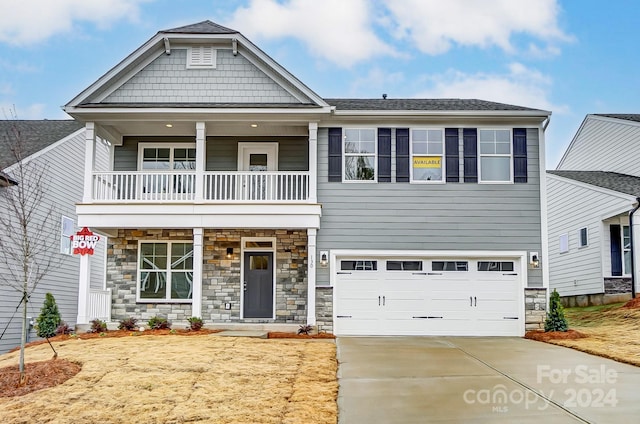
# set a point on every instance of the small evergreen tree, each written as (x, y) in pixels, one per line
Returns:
(49, 318)
(555, 317)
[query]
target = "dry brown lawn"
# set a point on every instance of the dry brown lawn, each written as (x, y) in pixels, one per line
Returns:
(612, 331)
(173, 379)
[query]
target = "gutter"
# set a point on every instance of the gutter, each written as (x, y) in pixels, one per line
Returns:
(633, 261)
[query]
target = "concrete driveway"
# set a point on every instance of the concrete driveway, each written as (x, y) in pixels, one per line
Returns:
(480, 380)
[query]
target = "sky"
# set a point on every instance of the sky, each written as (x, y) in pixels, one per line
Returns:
(571, 57)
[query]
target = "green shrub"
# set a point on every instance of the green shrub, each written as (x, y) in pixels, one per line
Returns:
(49, 319)
(195, 323)
(158, 323)
(555, 317)
(98, 326)
(128, 324)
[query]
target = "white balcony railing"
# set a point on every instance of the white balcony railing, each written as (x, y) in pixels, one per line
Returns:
(218, 186)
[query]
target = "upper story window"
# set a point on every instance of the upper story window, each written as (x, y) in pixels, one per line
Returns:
(359, 154)
(583, 237)
(495, 156)
(162, 157)
(427, 147)
(66, 231)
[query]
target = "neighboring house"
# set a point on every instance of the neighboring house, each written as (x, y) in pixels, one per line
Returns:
(590, 196)
(239, 195)
(53, 146)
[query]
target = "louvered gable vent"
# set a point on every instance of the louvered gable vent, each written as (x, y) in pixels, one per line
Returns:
(199, 57)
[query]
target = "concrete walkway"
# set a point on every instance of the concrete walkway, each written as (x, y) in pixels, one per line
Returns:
(480, 380)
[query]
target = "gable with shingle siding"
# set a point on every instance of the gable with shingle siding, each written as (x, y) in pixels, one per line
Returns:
(234, 80)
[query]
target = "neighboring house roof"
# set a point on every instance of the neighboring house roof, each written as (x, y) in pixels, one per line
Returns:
(624, 116)
(423, 104)
(34, 135)
(622, 183)
(204, 27)
(6, 180)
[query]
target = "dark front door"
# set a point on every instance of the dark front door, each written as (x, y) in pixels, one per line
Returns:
(258, 285)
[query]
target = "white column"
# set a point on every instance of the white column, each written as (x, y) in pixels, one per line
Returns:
(313, 162)
(201, 137)
(196, 294)
(84, 283)
(636, 250)
(311, 276)
(89, 158)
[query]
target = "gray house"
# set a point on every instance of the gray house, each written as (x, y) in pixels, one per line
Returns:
(237, 194)
(591, 194)
(52, 148)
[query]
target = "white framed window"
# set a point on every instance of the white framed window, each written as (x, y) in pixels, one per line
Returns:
(360, 152)
(626, 249)
(67, 228)
(495, 156)
(563, 243)
(201, 57)
(583, 237)
(166, 156)
(427, 150)
(165, 271)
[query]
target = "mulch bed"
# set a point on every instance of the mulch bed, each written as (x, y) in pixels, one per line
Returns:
(633, 303)
(40, 375)
(281, 335)
(543, 336)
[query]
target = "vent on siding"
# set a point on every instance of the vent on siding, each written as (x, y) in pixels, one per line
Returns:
(199, 57)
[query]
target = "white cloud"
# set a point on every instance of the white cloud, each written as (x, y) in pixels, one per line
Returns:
(339, 31)
(519, 86)
(24, 22)
(376, 79)
(434, 26)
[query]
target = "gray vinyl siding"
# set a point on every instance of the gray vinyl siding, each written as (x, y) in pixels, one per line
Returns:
(571, 207)
(222, 152)
(64, 188)
(450, 216)
(234, 80)
(603, 144)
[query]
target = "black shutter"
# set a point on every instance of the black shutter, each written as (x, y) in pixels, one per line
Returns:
(384, 155)
(616, 250)
(452, 151)
(470, 139)
(402, 155)
(519, 155)
(335, 154)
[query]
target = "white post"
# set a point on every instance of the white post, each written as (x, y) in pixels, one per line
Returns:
(89, 158)
(201, 138)
(635, 236)
(313, 163)
(311, 276)
(84, 284)
(196, 294)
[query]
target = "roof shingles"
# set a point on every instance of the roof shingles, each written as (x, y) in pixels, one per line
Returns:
(622, 183)
(423, 104)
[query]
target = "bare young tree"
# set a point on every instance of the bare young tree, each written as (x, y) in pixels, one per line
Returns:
(28, 226)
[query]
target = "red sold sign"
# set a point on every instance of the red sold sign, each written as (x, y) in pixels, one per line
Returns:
(83, 242)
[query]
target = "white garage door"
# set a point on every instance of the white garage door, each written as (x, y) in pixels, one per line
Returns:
(428, 296)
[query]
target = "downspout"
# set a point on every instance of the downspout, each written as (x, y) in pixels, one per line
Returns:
(633, 261)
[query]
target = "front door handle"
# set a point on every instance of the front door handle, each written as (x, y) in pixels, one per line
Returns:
(475, 301)
(245, 286)
(378, 300)
(470, 300)
(384, 300)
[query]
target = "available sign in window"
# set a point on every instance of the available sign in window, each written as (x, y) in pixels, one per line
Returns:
(427, 168)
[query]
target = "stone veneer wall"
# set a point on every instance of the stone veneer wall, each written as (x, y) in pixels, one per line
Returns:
(221, 276)
(122, 265)
(535, 308)
(617, 285)
(324, 309)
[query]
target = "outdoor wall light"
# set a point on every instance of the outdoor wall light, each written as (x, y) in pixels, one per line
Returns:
(534, 259)
(324, 258)
(229, 252)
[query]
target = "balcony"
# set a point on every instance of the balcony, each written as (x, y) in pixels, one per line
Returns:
(217, 187)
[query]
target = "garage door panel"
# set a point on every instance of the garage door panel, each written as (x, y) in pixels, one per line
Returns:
(465, 301)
